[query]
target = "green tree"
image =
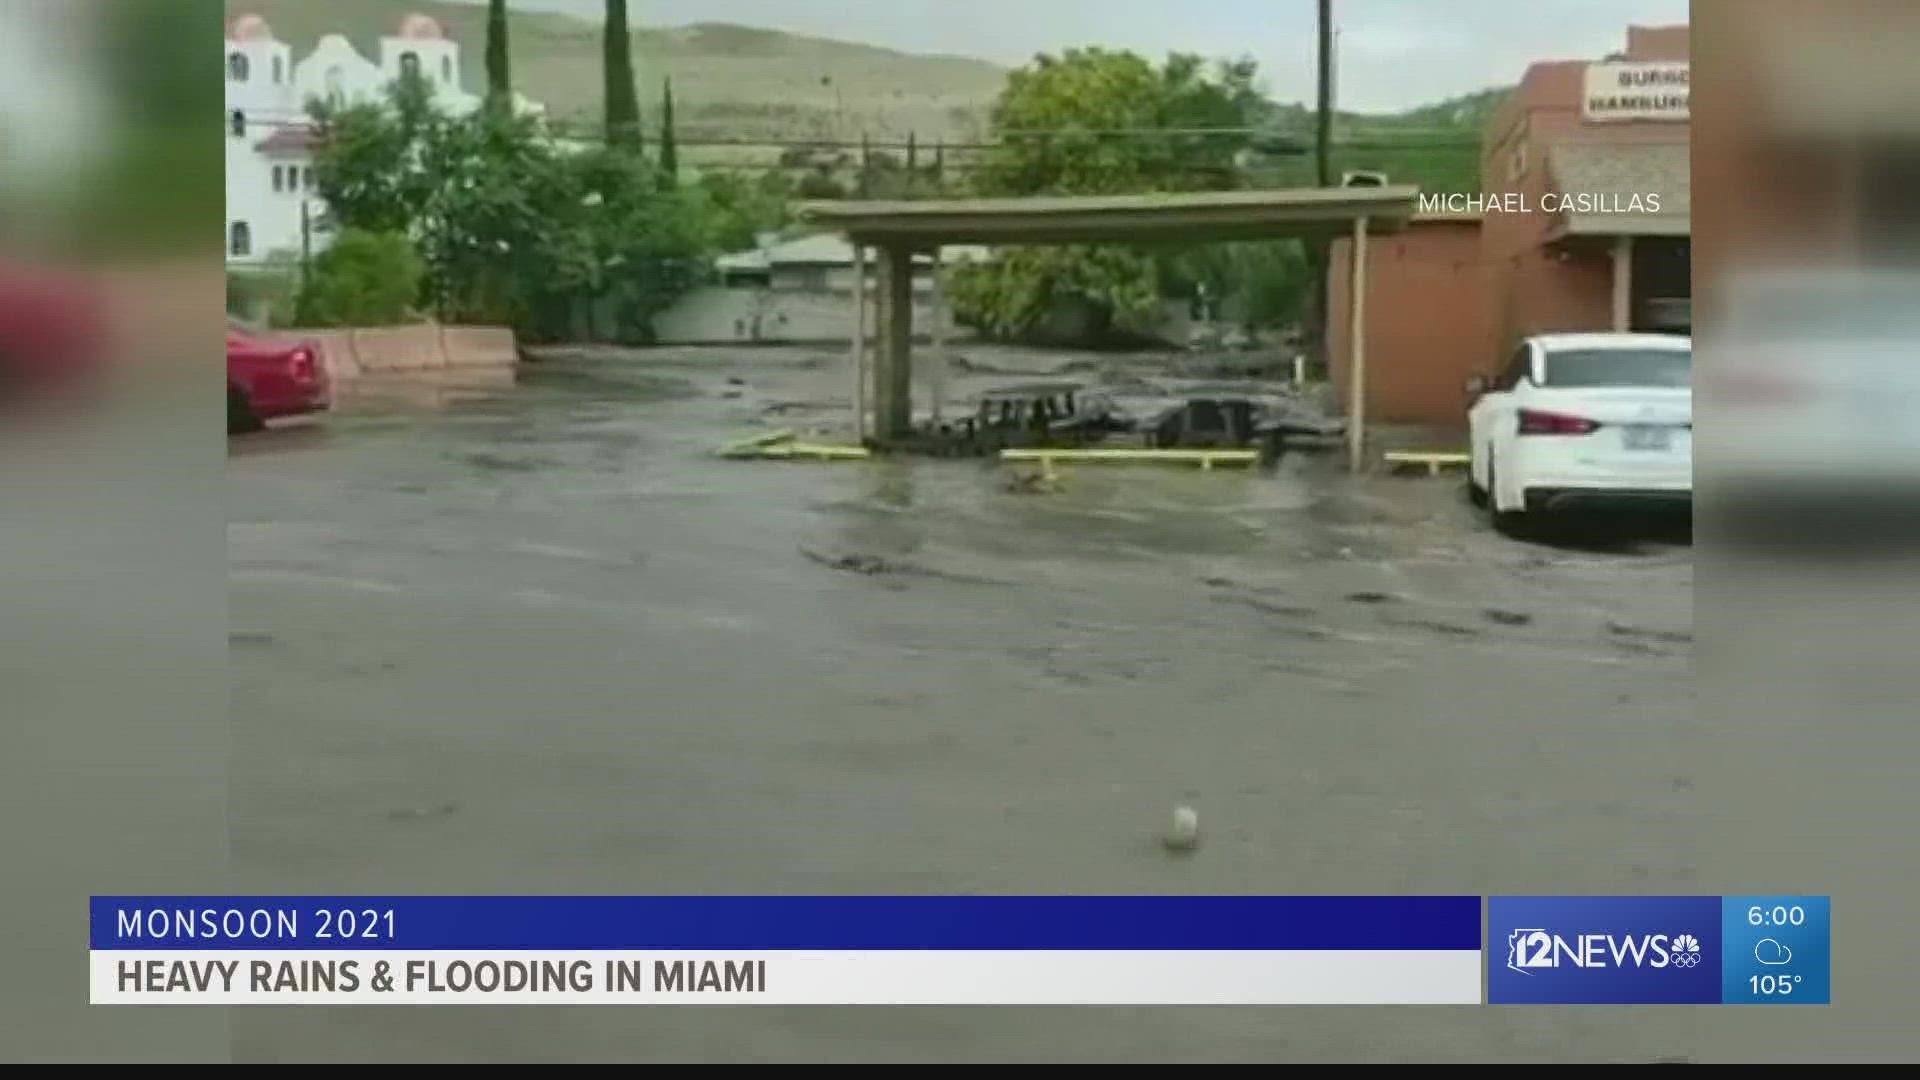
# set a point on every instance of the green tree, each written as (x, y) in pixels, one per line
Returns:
(735, 210)
(363, 279)
(669, 154)
(499, 85)
(621, 104)
(368, 168)
(1095, 121)
(512, 228)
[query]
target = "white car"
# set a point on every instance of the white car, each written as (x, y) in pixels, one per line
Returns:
(1578, 419)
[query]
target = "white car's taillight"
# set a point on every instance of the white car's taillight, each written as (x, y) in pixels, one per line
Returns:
(1541, 422)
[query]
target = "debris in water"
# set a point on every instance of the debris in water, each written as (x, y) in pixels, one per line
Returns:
(856, 564)
(874, 566)
(1507, 618)
(1032, 483)
(1185, 833)
(421, 813)
(250, 637)
(1369, 596)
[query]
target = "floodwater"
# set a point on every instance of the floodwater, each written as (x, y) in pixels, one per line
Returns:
(545, 641)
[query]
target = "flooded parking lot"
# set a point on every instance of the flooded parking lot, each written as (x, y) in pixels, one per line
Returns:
(545, 641)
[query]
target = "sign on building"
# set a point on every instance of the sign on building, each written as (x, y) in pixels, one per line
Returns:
(1655, 90)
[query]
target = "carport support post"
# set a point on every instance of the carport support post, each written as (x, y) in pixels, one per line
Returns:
(893, 372)
(859, 342)
(1357, 348)
(1622, 283)
(937, 341)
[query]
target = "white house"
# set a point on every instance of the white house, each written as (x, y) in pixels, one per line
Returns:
(270, 140)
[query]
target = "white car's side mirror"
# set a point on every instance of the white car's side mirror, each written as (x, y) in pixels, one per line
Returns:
(1477, 385)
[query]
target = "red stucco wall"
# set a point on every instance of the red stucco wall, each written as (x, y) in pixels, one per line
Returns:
(1426, 320)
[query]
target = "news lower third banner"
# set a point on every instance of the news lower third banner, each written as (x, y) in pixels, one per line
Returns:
(959, 950)
(786, 950)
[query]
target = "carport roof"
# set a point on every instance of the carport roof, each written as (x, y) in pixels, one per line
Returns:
(1214, 215)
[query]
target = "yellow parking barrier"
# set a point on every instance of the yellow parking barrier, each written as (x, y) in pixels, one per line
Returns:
(1206, 459)
(1433, 461)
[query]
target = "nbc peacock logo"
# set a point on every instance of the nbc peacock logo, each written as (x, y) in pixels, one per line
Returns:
(1685, 951)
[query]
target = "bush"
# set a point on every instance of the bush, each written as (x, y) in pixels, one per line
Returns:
(364, 279)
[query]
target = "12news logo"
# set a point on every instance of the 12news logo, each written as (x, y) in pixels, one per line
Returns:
(1532, 950)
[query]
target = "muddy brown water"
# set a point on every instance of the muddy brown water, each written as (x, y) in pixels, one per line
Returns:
(544, 641)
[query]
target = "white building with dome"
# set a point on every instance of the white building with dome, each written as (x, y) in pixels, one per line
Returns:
(270, 137)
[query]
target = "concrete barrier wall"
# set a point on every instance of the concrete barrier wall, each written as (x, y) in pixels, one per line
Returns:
(385, 349)
(478, 346)
(422, 349)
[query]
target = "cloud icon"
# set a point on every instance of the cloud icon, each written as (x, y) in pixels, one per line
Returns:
(1769, 951)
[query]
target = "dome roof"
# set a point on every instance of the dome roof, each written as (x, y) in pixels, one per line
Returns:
(420, 27)
(249, 28)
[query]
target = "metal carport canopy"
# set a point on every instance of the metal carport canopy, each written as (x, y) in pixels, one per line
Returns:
(1073, 219)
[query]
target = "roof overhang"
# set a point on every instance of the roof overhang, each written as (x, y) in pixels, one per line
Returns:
(1622, 225)
(1221, 215)
(1621, 188)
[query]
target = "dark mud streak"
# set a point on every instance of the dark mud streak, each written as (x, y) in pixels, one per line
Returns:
(1436, 626)
(1671, 637)
(879, 566)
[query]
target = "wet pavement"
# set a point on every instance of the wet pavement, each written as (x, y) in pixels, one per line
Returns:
(545, 641)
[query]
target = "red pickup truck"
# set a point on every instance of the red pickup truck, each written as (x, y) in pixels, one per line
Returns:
(270, 378)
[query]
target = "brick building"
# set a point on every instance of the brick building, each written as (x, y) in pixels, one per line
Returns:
(1582, 223)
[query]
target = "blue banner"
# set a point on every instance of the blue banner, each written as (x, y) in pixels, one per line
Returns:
(1779, 950)
(1603, 949)
(786, 922)
(1730, 950)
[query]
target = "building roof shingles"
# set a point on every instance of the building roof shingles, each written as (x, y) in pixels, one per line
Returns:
(1618, 172)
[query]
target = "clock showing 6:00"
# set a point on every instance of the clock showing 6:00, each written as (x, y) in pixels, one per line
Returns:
(1777, 915)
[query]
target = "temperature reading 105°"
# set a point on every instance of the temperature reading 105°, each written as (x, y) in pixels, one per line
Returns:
(1774, 985)
(1777, 915)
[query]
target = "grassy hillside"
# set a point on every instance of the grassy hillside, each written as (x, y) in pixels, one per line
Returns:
(772, 88)
(727, 80)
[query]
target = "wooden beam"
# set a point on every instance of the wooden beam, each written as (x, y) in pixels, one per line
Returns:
(1232, 215)
(1357, 348)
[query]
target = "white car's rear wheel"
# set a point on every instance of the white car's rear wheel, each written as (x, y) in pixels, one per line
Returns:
(1510, 522)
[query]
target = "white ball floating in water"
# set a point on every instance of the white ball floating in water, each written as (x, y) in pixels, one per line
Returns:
(1185, 834)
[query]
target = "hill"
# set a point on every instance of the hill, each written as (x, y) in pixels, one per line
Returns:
(769, 88)
(727, 80)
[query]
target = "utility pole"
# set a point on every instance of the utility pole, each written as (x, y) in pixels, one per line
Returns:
(1317, 248)
(1323, 133)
